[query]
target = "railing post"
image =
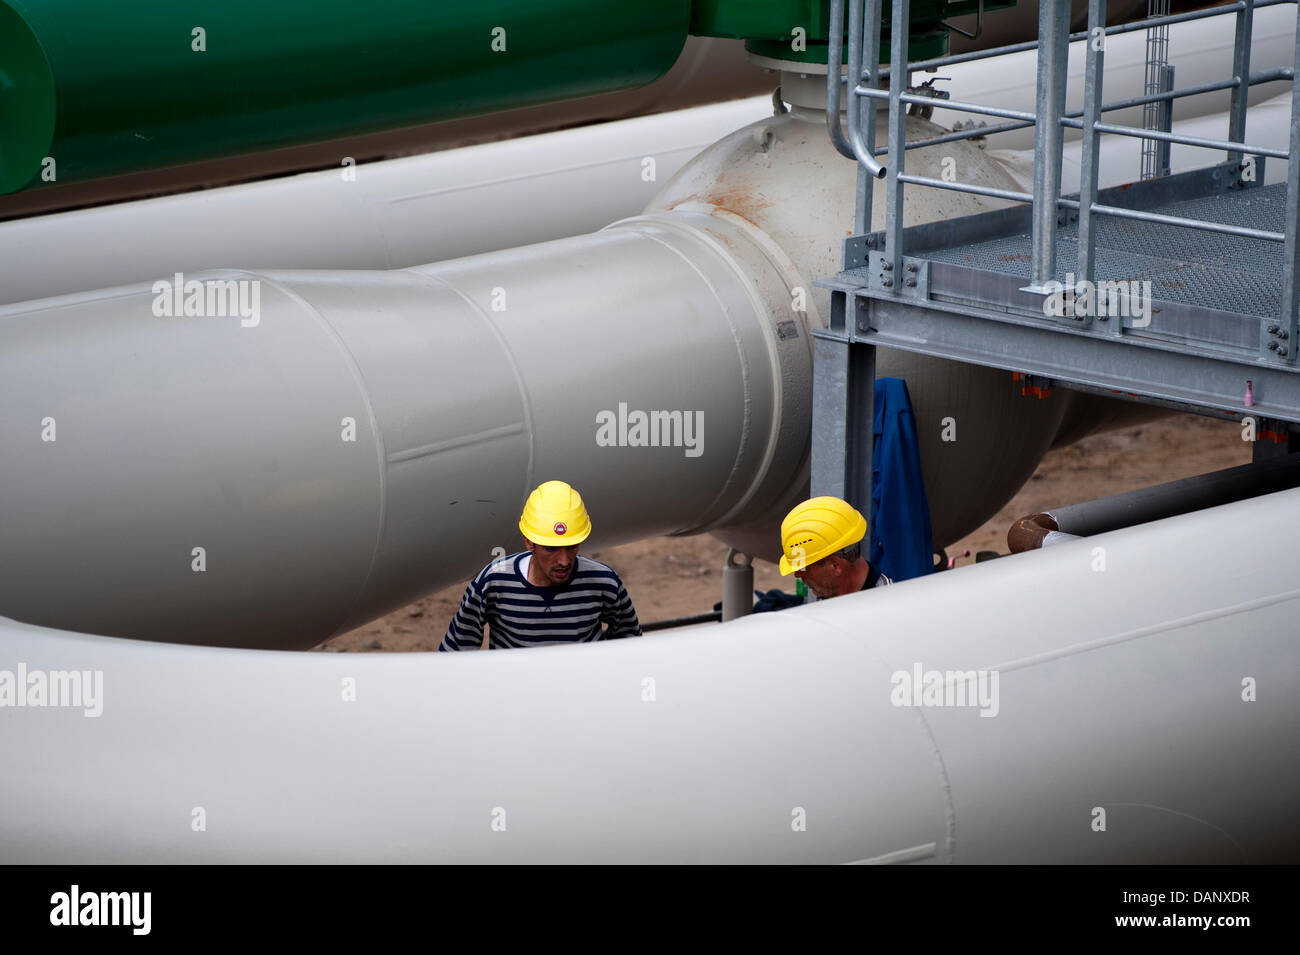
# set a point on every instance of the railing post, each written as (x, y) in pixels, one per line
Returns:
(897, 138)
(1053, 57)
(1281, 334)
(1165, 123)
(868, 32)
(1241, 73)
(1092, 98)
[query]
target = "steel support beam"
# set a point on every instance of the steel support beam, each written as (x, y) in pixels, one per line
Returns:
(1135, 368)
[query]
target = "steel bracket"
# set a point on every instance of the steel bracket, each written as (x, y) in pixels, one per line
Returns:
(858, 247)
(913, 282)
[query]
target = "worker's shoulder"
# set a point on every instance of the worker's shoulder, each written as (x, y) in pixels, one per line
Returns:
(590, 568)
(500, 569)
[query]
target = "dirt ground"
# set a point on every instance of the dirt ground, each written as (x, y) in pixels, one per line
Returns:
(677, 576)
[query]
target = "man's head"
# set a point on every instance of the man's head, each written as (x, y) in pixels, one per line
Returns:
(821, 540)
(554, 523)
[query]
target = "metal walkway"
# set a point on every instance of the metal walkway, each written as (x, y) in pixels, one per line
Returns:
(1227, 273)
(1180, 328)
(1178, 291)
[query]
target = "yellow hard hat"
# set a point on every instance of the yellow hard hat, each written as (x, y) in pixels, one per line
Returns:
(555, 516)
(818, 528)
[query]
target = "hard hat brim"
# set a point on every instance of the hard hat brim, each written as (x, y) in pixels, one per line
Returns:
(555, 540)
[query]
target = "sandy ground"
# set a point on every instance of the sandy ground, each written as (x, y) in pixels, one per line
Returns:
(677, 576)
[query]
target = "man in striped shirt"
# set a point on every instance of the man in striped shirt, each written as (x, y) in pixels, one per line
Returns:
(546, 594)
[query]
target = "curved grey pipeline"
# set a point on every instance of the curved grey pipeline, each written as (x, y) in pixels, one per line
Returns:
(1152, 717)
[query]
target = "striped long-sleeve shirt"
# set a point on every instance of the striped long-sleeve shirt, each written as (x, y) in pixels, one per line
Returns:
(521, 614)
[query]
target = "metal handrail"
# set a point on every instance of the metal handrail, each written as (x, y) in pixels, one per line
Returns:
(926, 66)
(1049, 120)
(857, 146)
(1225, 145)
(1071, 118)
(834, 48)
(1205, 225)
(866, 24)
(953, 104)
(991, 191)
(1285, 325)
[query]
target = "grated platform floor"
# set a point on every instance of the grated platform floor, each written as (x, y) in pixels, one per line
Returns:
(1205, 269)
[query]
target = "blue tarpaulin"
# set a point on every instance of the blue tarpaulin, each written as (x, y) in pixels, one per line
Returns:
(901, 539)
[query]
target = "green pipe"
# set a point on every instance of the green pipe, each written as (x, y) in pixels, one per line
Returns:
(102, 88)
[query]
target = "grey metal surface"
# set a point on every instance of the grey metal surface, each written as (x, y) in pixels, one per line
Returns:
(976, 132)
(1137, 366)
(1010, 195)
(1207, 182)
(1165, 123)
(1184, 222)
(898, 80)
(1154, 406)
(1085, 258)
(1198, 268)
(1052, 64)
(1289, 305)
(844, 378)
(830, 404)
(1209, 265)
(737, 585)
(1233, 147)
(1169, 94)
(1049, 137)
(861, 112)
(834, 52)
(961, 106)
(1240, 71)
(866, 70)
(830, 414)
(1178, 497)
(1072, 118)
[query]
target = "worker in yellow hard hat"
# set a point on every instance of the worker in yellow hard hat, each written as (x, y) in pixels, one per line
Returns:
(821, 543)
(546, 594)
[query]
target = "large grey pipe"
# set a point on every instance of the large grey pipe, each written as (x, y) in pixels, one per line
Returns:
(1177, 497)
(1150, 715)
(164, 476)
(1148, 504)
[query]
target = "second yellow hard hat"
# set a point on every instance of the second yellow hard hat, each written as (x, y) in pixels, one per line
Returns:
(818, 528)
